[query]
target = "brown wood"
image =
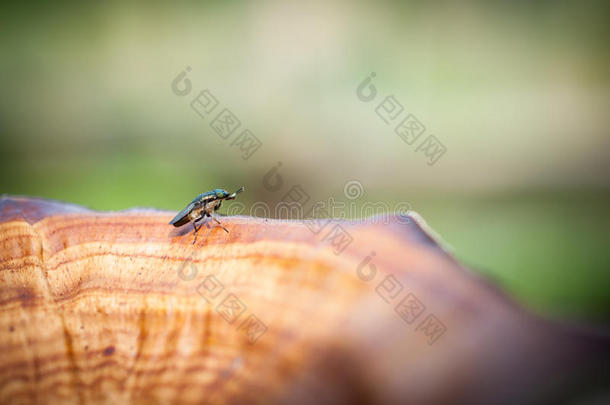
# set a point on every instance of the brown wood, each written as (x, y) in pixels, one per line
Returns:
(113, 307)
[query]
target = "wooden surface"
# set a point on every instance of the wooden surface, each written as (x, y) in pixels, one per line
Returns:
(122, 308)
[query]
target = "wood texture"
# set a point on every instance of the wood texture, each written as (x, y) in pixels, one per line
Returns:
(119, 307)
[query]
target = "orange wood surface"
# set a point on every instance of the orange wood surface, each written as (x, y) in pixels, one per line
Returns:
(120, 307)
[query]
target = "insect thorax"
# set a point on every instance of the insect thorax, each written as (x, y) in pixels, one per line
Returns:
(203, 208)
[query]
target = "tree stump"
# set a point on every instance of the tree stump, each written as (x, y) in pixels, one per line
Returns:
(120, 307)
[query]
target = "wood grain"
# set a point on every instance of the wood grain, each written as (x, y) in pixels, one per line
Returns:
(119, 307)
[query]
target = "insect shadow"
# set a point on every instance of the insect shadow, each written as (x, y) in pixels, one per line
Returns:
(185, 230)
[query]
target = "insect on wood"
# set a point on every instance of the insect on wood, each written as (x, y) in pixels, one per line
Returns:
(203, 206)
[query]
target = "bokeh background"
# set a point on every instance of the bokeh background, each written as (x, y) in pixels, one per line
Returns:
(518, 93)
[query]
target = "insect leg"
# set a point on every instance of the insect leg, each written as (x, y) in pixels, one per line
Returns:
(218, 222)
(195, 227)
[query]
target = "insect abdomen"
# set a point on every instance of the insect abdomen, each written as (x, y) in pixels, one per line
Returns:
(182, 217)
(180, 221)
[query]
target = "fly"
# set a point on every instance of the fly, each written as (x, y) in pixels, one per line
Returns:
(203, 206)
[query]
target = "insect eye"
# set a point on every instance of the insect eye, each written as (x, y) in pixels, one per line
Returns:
(219, 194)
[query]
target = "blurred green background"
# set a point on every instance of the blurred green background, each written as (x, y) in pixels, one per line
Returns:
(518, 92)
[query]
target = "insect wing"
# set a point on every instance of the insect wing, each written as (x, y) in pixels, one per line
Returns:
(183, 216)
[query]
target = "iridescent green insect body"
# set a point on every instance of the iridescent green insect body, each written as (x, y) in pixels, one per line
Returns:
(203, 206)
